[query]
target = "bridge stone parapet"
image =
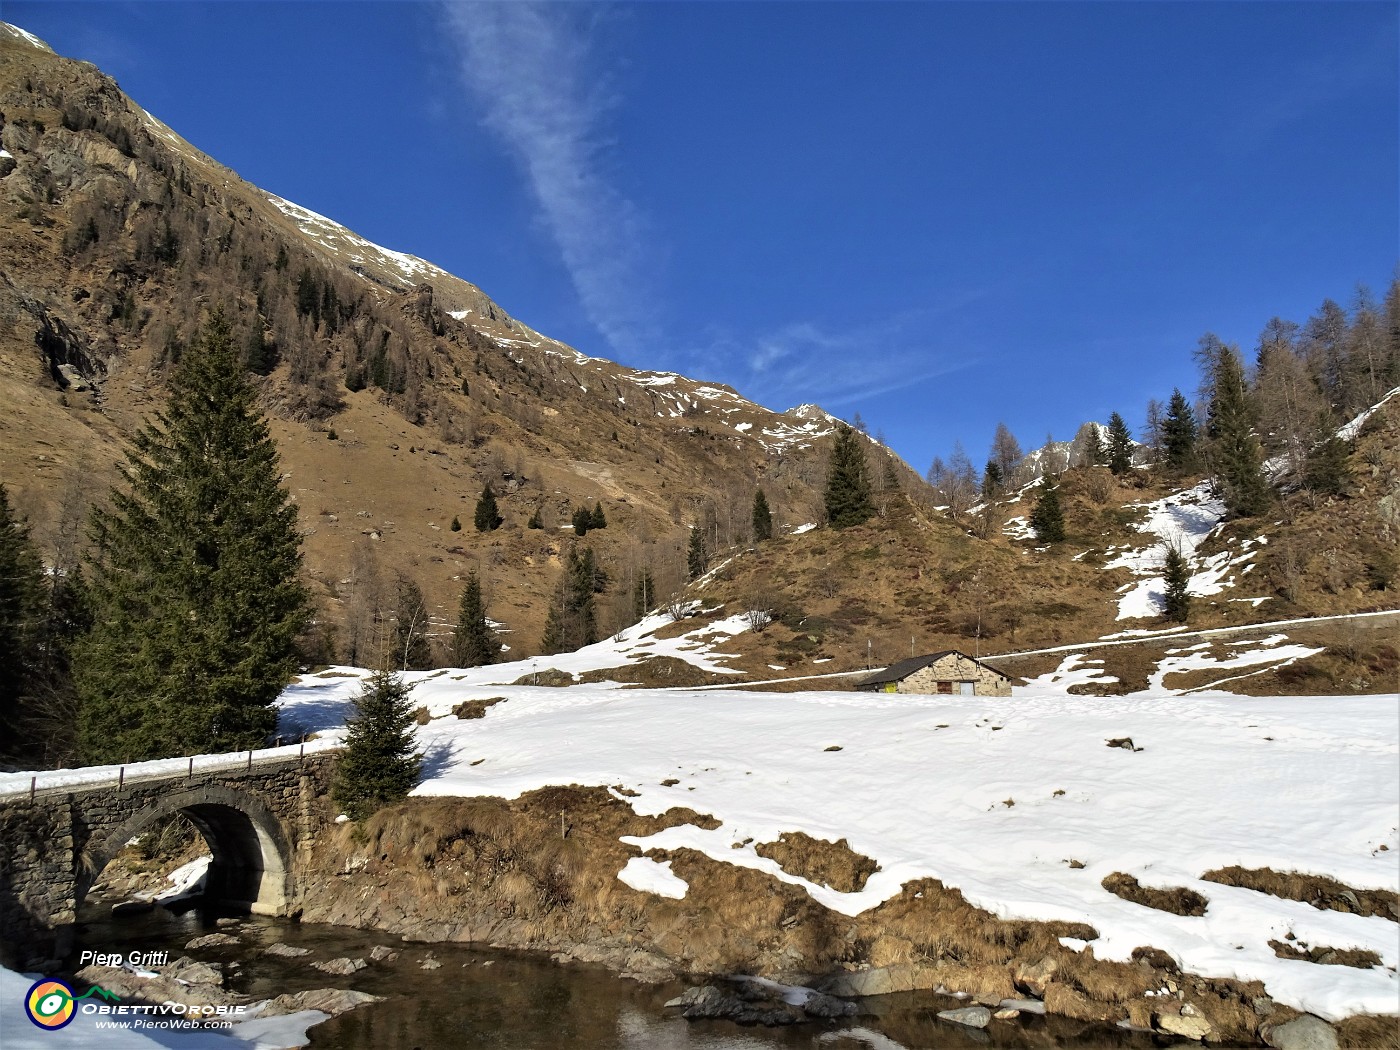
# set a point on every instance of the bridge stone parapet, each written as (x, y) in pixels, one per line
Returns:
(261, 821)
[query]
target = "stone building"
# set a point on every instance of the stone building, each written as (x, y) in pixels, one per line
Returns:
(949, 673)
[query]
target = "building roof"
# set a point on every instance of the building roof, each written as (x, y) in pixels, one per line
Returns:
(902, 670)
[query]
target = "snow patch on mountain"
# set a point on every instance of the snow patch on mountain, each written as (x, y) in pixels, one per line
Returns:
(1182, 520)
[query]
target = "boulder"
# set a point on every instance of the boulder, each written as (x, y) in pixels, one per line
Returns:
(1034, 977)
(379, 953)
(1302, 1033)
(819, 1005)
(1188, 1025)
(210, 940)
(972, 1016)
(331, 1001)
(341, 967)
(285, 950)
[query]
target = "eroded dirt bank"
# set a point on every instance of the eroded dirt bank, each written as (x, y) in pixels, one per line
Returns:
(541, 872)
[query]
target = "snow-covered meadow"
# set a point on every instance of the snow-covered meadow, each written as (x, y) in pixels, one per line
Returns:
(993, 796)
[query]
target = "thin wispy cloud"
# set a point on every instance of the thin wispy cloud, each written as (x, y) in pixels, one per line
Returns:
(804, 361)
(533, 71)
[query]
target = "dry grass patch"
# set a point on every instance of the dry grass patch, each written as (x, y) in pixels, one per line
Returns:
(1318, 890)
(1325, 956)
(1368, 1032)
(476, 708)
(1178, 899)
(832, 864)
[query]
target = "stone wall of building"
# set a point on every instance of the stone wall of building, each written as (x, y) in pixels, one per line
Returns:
(956, 668)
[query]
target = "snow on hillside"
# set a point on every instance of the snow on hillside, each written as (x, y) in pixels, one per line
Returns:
(331, 235)
(1183, 520)
(1350, 431)
(992, 797)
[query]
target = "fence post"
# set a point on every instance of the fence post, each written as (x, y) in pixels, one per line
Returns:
(250, 758)
(33, 786)
(191, 772)
(121, 777)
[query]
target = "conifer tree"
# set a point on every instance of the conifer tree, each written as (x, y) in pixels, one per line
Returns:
(195, 594)
(598, 520)
(1047, 519)
(571, 622)
(1325, 468)
(1179, 433)
(762, 517)
(379, 765)
(848, 495)
(697, 559)
(488, 516)
(1176, 575)
(473, 643)
(1120, 445)
(535, 522)
(992, 480)
(456, 525)
(21, 600)
(1235, 452)
(643, 594)
(583, 521)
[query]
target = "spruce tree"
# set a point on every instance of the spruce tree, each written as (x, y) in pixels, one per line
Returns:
(473, 643)
(535, 522)
(194, 576)
(1120, 445)
(21, 613)
(598, 520)
(1235, 452)
(1047, 519)
(572, 623)
(1179, 433)
(848, 496)
(1325, 468)
(991, 480)
(379, 765)
(583, 521)
(488, 516)
(456, 525)
(1176, 575)
(762, 517)
(697, 559)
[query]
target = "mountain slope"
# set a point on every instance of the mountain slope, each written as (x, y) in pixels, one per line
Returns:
(397, 390)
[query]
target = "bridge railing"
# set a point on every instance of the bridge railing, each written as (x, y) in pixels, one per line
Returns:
(32, 783)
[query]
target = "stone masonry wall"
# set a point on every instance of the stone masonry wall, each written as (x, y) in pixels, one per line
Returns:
(956, 668)
(53, 847)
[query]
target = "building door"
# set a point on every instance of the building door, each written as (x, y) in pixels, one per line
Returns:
(966, 688)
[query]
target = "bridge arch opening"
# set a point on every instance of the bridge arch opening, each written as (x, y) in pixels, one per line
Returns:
(250, 867)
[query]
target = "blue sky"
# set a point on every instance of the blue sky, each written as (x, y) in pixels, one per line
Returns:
(938, 215)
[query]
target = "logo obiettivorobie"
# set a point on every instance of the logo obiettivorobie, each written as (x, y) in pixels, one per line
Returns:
(49, 1004)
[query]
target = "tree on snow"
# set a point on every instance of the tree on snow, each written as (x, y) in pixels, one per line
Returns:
(379, 765)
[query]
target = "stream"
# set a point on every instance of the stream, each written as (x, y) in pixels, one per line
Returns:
(497, 999)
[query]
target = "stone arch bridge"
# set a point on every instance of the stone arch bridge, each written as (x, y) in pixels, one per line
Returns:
(260, 819)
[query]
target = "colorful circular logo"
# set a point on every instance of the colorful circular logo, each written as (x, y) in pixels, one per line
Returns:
(49, 1004)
